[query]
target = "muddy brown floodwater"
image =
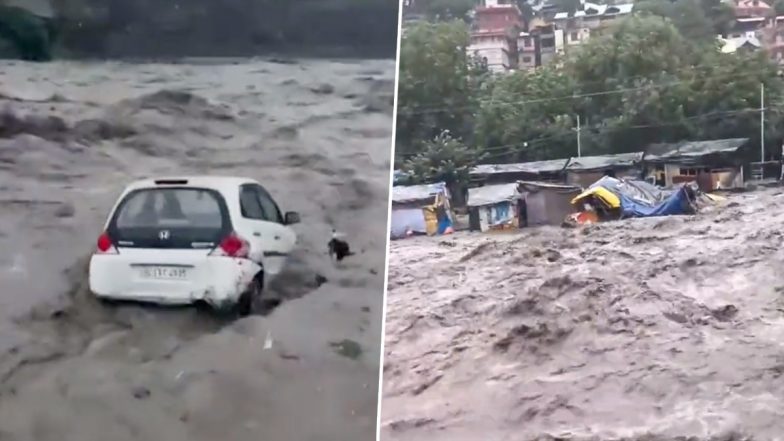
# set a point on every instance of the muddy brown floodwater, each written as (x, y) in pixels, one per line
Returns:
(72, 135)
(644, 329)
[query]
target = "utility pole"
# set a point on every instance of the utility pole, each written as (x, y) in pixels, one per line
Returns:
(579, 149)
(762, 122)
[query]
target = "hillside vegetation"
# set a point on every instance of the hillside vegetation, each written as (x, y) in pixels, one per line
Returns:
(165, 28)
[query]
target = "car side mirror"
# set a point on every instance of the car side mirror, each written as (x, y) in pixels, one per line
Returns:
(292, 217)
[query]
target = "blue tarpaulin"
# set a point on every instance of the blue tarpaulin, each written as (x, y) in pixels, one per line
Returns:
(676, 203)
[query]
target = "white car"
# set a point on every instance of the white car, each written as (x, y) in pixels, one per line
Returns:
(185, 240)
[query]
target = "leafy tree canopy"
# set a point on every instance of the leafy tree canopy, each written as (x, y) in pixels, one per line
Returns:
(643, 80)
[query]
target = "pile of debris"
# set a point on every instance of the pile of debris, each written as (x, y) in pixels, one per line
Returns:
(613, 199)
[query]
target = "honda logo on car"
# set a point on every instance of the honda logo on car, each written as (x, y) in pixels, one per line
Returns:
(163, 235)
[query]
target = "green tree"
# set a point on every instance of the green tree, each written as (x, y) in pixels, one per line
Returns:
(522, 110)
(778, 6)
(696, 20)
(639, 83)
(27, 35)
(448, 9)
(443, 159)
(437, 84)
(630, 83)
(687, 16)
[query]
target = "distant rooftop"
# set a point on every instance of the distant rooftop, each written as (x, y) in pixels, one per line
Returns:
(411, 193)
(693, 149)
(586, 163)
(551, 166)
(597, 10)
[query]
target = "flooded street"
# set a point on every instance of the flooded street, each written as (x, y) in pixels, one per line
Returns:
(315, 133)
(642, 329)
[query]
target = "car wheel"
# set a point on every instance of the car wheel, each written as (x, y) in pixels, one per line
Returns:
(249, 298)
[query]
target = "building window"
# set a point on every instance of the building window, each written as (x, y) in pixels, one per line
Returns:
(526, 59)
(688, 172)
(527, 41)
(575, 36)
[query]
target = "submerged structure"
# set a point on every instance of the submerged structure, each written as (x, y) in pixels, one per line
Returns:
(611, 199)
(504, 207)
(420, 209)
(713, 164)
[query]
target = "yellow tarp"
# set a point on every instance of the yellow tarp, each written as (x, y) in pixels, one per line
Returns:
(600, 193)
(431, 220)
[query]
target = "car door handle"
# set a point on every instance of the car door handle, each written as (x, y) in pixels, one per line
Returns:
(256, 233)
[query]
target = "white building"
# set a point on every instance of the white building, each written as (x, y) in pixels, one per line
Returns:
(493, 49)
(578, 26)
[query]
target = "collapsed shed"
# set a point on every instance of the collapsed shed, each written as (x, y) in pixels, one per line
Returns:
(714, 164)
(495, 207)
(420, 209)
(584, 171)
(547, 203)
(518, 205)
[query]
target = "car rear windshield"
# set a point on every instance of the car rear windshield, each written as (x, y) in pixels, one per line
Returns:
(170, 218)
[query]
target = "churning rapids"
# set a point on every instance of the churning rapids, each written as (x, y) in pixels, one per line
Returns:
(316, 133)
(644, 329)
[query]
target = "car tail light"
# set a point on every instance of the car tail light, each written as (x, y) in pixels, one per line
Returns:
(232, 246)
(105, 245)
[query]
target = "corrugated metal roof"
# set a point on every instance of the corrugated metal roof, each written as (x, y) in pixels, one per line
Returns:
(586, 163)
(693, 149)
(535, 186)
(492, 194)
(536, 167)
(410, 193)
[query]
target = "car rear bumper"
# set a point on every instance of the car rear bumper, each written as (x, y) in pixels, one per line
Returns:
(218, 281)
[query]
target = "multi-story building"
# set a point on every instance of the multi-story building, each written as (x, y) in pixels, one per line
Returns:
(748, 42)
(774, 38)
(526, 51)
(494, 34)
(752, 8)
(494, 49)
(752, 33)
(588, 19)
(550, 43)
(547, 39)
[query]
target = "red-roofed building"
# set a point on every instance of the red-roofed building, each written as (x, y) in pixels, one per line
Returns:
(494, 35)
(752, 8)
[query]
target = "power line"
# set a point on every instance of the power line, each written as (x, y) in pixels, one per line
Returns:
(597, 130)
(606, 130)
(424, 110)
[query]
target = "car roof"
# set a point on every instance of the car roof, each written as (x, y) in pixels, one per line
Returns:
(219, 183)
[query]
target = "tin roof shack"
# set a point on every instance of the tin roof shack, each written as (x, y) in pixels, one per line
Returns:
(713, 165)
(546, 203)
(495, 208)
(420, 209)
(542, 171)
(586, 170)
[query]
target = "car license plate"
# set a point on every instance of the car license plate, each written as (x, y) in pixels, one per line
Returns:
(163, 272)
